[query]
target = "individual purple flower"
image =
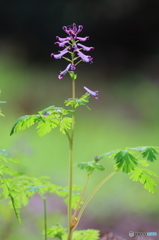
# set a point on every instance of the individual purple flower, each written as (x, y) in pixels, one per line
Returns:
(82, 39)
(93, 93)
(61, 44)
(84, 47)
(84, 57)
(59, 55)
(69, 67)
(63, 39)
(65, 29)
(80, 27)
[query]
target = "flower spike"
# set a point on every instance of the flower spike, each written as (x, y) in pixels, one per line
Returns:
(73, 47)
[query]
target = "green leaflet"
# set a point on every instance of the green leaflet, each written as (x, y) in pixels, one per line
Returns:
(78, 101)
(128, 161)
(65, 124)
(144, 176)
(56, 231)
(75, 195)
(47, 119)
(90, 166)
(47, 126)
(46, 110)
(125, 161)
(148, 152)
(7, 193)
(24, 122)
(108, 154)
(75, 200)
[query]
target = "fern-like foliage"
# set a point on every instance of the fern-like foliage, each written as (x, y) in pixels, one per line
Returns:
(47, 119)
(19, 188)
(57, 231)
(129, 160)
(90, 166)
(78, 101)
(7, 190)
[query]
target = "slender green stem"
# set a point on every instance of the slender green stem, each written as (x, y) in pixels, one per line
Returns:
(45, 218)
(70, 190)
(82, 195)
(92, 194)
(70, 229)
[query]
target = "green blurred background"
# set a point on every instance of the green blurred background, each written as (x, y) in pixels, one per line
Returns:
(125, 71)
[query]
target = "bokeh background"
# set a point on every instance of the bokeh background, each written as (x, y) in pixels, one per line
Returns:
(125, 35)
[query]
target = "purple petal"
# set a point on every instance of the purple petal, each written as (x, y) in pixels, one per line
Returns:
(93, 93)
(80, 27)
(59, 55)
(62, 73)
(74, 27)
(65, 29)
(64, 50)
(61, 44)
(84, 57)
(63, 39)
(60, 76)
(84, 47)
(82, 39)
(71, 33)
(70, 66)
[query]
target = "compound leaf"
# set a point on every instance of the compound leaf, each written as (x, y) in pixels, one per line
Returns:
(56, 231)
(125, 161)
(144, 176)
(23, 122)
(150, 154)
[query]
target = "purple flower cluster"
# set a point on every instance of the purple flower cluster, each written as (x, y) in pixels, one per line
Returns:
(71, 45)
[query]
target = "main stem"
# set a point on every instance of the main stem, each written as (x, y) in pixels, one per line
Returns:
(45, 218)
(70, 229)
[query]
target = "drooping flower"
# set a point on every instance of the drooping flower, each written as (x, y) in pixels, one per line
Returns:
(62, 39)
(72, 46)
(84, 57)
(61, 44)
(59, 55)
(69, 67)
(82, 39)
(84, 47)
(93, 93)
